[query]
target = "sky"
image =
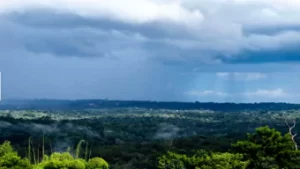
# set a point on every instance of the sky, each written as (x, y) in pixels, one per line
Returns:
(163, 50)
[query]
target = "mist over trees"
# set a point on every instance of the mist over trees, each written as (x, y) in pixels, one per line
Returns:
(123, 137)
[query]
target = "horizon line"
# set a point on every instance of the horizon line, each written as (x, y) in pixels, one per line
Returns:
(135, 100)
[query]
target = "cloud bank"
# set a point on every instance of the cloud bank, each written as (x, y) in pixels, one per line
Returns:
(147, 49)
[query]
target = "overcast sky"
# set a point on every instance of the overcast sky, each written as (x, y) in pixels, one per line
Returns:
(180, 50)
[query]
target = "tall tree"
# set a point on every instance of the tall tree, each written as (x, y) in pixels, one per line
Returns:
(268, 149)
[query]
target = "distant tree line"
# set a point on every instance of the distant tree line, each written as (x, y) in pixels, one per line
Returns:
(85, 104)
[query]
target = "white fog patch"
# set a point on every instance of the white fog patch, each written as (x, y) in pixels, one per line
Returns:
(167, 131)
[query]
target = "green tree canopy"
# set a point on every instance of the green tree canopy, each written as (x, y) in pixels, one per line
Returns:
(268, 149)
(62, 161)
(202, 160)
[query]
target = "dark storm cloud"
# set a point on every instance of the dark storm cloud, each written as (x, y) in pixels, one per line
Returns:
(67, 34)
(80, 41)
(48, 19)
(260, 57)
(128, 52)
(73, 35)
(60, 47)
(271, 30)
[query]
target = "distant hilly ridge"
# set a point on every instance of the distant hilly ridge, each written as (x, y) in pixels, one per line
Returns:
(44, 104)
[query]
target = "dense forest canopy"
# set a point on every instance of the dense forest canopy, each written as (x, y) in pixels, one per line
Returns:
(131, 135)
(266, 148)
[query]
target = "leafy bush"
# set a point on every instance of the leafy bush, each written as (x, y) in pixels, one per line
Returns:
(203, 160)
(97, 163)
(10, 159)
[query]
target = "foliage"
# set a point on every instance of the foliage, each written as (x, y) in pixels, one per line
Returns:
(5, 148)
(10, 159)
(203, 160)
(62, 160)
(133, 137)
(268, 149)
(97, 163)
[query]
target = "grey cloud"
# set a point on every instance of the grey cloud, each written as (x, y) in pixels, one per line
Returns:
(97, 42)
(48, 19)
(66, 34)
(81, 42)
(271, 30)
(290, 55)
(61, 47)
(155, 60)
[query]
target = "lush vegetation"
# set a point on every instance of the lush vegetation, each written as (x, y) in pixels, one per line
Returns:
(148, 138)
(265, 149)
(9, 159)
